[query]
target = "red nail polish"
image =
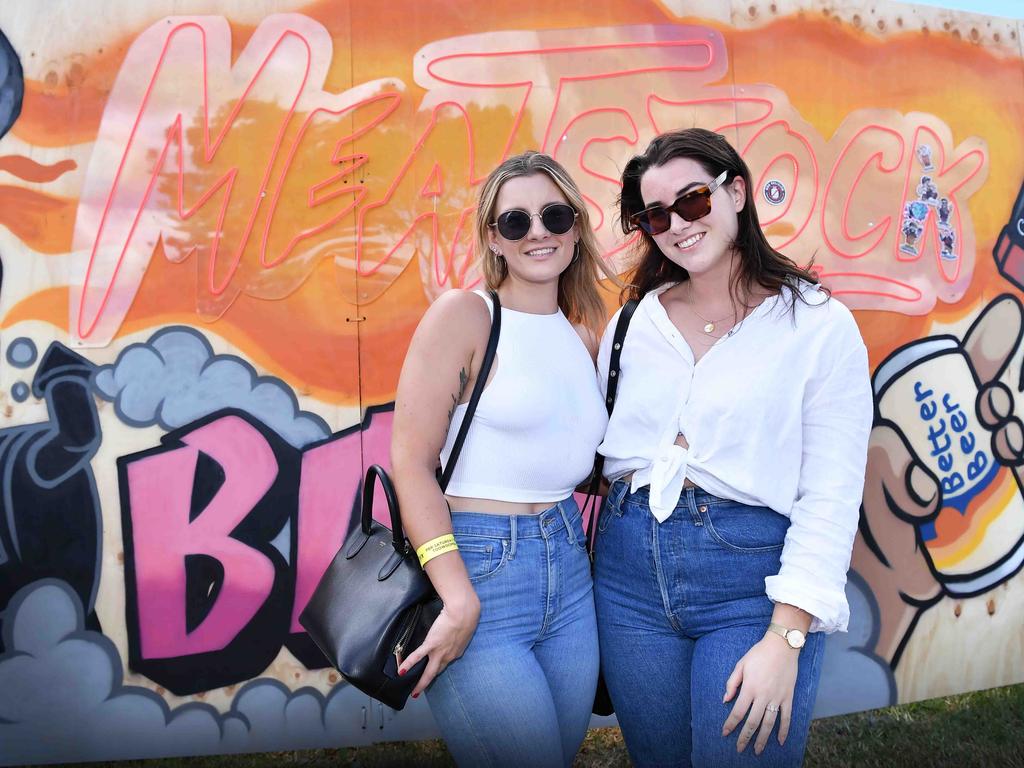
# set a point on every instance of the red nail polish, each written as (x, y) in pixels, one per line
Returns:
(415, 695)
(401, 672)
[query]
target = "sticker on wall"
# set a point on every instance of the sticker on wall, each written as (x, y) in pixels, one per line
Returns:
(927, 191)
(914, 216)
(928, 203)
(944, 210)
(948, 239)
(924, 156)
(775, 192)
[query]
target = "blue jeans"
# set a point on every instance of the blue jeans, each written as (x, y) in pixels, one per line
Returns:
(678, 604)
(522, 692)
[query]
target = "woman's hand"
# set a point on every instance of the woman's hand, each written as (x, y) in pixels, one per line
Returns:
(447, 639)
(765, 678)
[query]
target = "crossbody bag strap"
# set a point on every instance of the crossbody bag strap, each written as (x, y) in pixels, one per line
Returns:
(617, 341)
(614, 374)
(478, 390)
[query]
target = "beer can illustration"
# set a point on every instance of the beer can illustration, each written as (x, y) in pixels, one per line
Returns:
(928, 390)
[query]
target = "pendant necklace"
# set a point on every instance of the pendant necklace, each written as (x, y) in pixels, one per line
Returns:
(709, 325)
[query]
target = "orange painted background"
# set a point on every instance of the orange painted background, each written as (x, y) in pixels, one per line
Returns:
(283, 190)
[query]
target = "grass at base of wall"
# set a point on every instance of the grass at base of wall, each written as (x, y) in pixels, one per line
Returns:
(982, 729)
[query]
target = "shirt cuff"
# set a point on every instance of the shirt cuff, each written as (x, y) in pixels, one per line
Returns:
(830, 612)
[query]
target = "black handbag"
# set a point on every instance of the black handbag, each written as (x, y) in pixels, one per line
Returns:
(602, 700)
(374, 603)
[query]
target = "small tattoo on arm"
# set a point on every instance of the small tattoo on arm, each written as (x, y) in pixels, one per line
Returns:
(463, 380)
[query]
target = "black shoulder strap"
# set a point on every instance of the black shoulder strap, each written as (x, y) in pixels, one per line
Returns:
(617, 340)
(478, 389)
(614, 374)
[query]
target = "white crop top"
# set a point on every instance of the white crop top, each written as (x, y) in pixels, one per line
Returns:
(538, 422)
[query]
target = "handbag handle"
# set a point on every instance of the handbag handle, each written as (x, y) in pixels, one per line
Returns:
(614, 374)
(376, 472)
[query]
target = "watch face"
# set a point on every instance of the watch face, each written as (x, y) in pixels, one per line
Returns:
(795, 638)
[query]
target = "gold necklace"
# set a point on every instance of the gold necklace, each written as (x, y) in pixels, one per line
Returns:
(709, 325)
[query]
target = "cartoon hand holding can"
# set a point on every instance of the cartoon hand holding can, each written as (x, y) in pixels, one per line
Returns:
(943, 511)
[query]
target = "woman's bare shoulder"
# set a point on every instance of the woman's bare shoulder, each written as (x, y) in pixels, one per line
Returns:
(458, 317)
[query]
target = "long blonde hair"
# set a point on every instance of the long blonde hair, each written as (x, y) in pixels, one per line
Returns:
(578, 296)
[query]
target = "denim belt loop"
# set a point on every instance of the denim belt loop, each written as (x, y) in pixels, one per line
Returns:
(512, 537)
(617, 495)
(568, 523)
(689, 494)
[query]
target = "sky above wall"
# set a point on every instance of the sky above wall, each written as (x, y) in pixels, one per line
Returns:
(1011, 9)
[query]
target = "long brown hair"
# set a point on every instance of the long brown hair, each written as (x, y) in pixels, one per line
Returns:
(578, 296)
(759, 263)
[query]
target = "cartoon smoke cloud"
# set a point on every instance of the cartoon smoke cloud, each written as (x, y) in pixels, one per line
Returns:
(175, 378)
(62, 698)
(853, 677)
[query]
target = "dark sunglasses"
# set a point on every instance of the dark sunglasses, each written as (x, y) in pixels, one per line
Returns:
(557, 219)
(693, 205)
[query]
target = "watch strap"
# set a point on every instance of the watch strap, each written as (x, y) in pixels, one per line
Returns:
(784, 632)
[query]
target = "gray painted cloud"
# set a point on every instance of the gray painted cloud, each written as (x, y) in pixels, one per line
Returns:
(21, 352)
(12, 85)
(62, 699)
(853, 678)
(174, 379)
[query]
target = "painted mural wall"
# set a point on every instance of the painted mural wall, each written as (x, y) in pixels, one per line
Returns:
(220, 222)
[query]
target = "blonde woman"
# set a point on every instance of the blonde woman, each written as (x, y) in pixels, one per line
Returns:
(512, 659)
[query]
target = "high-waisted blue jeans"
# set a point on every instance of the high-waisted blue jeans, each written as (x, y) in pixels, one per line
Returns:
(678, 604)
(522, 692)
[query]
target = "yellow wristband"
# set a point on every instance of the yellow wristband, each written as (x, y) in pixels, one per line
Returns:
(436, 547)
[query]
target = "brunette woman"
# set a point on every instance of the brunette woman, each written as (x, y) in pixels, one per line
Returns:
(736, 453)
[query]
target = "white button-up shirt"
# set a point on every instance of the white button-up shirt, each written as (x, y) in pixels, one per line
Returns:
(776, 414)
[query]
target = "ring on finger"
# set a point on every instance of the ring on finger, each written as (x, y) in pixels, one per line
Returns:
(772, 708)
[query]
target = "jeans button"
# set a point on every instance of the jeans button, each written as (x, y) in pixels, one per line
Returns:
(702, 508)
